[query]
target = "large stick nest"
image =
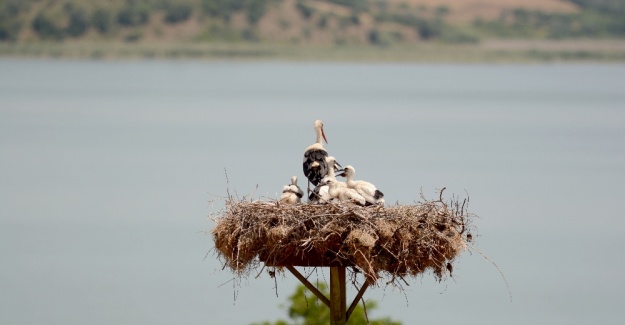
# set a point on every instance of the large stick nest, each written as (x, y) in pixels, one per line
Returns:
(395, 241)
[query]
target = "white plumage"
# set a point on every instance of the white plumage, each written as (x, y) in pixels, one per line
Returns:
(291, 193)
(321, 192)
(367, 190)
(344, 194)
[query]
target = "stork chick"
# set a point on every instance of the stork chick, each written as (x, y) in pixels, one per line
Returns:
(291, 193)
(371, 194)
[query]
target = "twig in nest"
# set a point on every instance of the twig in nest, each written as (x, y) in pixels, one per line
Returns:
(254, 193)
(275, 281)
(260, 272)
(364, 306)
(495, 265)
(221, 285)
(227, 184)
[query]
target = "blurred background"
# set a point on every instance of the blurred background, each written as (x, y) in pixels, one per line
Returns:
(433, 30)
(120, 119)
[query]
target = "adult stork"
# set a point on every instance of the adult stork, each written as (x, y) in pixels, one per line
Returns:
(315, 165)
(321, 192)
(371, 194)
(291, 193)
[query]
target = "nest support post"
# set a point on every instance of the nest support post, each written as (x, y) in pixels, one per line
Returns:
(339, 313)
(338, 309)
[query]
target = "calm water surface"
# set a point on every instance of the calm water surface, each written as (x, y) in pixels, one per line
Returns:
(108, 170)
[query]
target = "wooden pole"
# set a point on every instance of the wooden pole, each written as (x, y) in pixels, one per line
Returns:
(338, 314)
(308, 285)
(361, 292)
(337, 302)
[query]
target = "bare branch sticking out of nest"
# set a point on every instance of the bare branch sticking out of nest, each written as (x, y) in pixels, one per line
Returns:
(396, 241)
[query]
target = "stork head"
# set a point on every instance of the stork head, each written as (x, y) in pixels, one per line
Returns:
(294, 180)
(319, 130)
(327, 181)
(348, 171)
(332, 163)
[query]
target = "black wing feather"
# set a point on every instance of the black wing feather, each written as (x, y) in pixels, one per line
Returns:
(315, 175)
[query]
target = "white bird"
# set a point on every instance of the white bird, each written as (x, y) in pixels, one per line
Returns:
(315, 165)
(291, 193)
(320, 194)
(371, 194)
(343, 194)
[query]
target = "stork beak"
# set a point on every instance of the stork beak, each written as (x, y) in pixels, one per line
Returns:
(324, 135)
(340, 168)
(341, 174)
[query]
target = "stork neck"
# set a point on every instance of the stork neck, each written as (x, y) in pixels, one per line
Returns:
(349, 179)
(319, 138)
(332, 189)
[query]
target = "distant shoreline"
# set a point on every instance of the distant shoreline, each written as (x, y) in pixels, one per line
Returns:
(488, 51)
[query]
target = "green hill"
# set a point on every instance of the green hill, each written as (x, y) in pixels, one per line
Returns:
(378, 23)
(301, 21)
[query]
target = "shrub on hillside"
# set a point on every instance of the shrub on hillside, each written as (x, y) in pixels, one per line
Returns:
(133, 15)
(10, 23)
(222, 8)
(305, 10)
(177, 13)
(46, 28)
(102, 21)
(358, 5)
(9, 28)
(78, 22)
(255, 10)
(457, 35)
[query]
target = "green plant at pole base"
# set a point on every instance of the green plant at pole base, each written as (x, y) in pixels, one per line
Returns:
(306, 309)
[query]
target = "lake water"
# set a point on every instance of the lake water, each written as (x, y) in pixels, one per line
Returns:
(108, 171)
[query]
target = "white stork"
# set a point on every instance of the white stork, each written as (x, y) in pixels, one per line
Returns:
(291, 193)
(315, 165)
(343, 194)
(371, 194)
(320, 194)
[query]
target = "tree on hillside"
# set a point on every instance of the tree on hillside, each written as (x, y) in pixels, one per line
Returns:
(102, 20)
(10, 23)
(222, 8)
(133, 15)
(78, 21)
(46, 27)
(306, 309)
(178, 12)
